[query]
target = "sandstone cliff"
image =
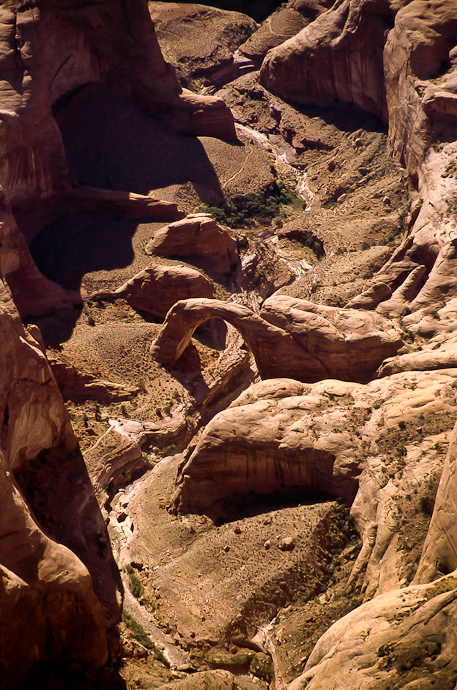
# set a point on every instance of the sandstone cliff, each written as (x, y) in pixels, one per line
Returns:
(50, 49)
(53, 537)
(275, 461)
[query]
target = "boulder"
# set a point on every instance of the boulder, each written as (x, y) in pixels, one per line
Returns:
(201, 240)
(157, 288)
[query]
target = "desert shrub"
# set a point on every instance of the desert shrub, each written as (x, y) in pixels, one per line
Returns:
(243, 210)
(135, 584)
(137, 629)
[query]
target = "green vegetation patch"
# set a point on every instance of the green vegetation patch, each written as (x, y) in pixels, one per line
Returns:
(244, 210)
(140, 635)
(135, 584)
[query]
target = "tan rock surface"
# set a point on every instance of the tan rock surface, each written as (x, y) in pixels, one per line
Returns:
(208, 584)
(328, 61)
(200, 238)
(439, 554)
(49, 50)
(281, 25)
(385, 440)
(399, 637)
(291, 337)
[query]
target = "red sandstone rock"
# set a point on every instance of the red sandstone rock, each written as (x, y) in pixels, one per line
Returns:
(199, 238)
(52, 532)
(33, 294)
(291, 337)
(50, 48)
(157, 288)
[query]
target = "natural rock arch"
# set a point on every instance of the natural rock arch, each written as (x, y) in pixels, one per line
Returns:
(290, 338)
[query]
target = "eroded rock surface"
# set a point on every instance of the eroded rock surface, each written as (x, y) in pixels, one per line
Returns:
(399, 637)
(200, 238)
(50, 49)
(279, 572)
(384, 441)
(52, 532)
(291, 337)
(157, 288)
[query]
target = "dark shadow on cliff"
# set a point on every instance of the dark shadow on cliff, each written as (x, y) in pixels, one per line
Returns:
(110, 143)
(347, 118)
(62, 674)
(244, 506)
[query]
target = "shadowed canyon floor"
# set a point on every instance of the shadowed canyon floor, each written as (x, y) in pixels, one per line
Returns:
(260, 373)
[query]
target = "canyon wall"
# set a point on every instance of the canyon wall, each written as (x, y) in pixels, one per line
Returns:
(48, 49)
(55, 559)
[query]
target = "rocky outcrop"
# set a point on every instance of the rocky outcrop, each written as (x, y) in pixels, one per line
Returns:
(404, 637)
(52, 532)
(376, 442)
(198, 40)
(32, 293)
(291, 337)
(51, 48)
(421, 274)
(77, 386)
(277, 28)
(439, 554)
(347, 342)
(157, 288)
(410, 44)
(201, 240)
(328, 62)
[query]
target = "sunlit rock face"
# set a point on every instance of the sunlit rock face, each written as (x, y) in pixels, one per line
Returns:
(406, 77)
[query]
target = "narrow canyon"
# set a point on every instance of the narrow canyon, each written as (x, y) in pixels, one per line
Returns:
(228, 327)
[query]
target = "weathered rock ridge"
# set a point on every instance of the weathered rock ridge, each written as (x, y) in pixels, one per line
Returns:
(290, 337)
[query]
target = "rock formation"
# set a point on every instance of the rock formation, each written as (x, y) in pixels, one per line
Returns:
(199, 40)
(49, 50)
(53, 536)
(383, 641)
(299, 528)
(200, 239)
(292, 338)
(156, 289)
(281, 436)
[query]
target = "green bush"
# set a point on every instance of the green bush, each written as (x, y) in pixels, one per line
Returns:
(135, 585)
(245, 209)
(140, 635)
